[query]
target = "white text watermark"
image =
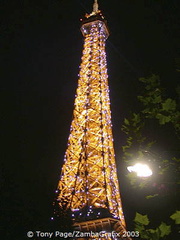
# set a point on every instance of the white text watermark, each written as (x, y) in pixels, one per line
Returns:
(79, 234)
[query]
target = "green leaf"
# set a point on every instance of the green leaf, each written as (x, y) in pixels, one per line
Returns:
(163, 119)
(152, 196)
(176, 217)
(144, 235)
(176, 159)
(132, 177)
(164, 229)
(153, 234)
(157, 99)
(136, 118)
(126, 121)
(143, 184)
(169, 105)
(139, 227)
(142, 219)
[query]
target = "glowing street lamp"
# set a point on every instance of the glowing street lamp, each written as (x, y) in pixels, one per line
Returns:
(142, 170)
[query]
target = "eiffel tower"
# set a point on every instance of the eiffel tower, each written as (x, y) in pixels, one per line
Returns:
(88, 186)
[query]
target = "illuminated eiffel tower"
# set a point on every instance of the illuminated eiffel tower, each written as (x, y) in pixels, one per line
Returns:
(88, 186)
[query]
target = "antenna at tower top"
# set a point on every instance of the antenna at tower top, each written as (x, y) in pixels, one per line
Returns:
(95, 7)
(95, 11)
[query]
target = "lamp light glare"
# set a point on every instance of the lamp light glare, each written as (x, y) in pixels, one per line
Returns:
(142, 170)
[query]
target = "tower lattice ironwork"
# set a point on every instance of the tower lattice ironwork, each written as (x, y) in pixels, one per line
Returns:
(88, 186)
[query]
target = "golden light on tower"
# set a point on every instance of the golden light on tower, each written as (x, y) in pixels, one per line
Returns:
(88, 186)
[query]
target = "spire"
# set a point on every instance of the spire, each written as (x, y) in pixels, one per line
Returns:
(95, 7)
(95, 10)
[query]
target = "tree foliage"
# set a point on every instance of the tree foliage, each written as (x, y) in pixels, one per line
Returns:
(162, 111)
(155, 107)
(176, 217)
(160, 232)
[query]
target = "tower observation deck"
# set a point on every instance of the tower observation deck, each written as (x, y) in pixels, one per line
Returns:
(88, 186)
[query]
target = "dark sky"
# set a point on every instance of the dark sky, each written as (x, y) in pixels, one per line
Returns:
(41, 54)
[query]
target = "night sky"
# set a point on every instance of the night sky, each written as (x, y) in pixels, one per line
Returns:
(41, 53)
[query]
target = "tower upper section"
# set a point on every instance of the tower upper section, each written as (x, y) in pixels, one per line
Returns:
(92, 19)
